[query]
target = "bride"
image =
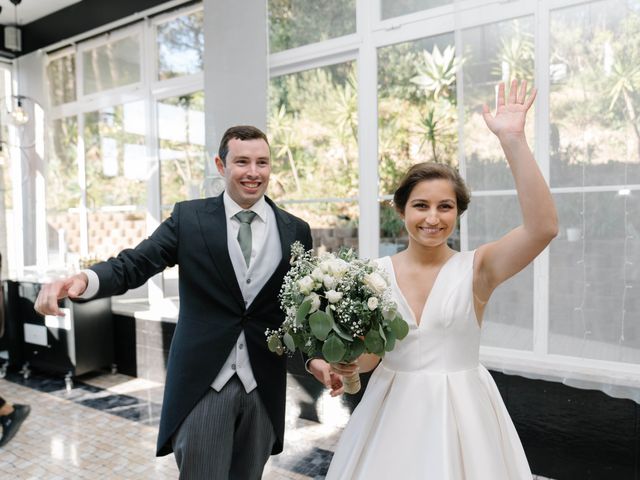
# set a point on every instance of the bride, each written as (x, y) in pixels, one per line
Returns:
(431, 411)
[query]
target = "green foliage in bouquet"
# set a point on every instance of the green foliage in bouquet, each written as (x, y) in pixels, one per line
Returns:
(336, 305)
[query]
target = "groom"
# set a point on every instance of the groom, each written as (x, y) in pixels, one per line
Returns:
(224, 399)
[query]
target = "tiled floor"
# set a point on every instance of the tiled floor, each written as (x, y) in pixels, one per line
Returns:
(106, 426)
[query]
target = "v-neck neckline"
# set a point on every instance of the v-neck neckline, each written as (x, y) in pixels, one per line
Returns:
(426, 302)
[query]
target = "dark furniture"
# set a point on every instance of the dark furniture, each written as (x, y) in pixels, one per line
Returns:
(79, 342)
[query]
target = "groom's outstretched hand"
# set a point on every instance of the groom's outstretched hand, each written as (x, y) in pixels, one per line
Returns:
(320, 369)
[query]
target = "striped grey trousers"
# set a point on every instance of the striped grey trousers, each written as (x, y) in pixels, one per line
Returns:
(227, 436)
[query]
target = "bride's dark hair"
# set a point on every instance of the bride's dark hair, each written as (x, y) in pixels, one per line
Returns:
(431, 171)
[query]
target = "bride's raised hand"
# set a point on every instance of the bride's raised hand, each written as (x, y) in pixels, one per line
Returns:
(511, 111)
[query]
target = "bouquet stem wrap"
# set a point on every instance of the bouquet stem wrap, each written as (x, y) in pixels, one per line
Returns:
(351, 383)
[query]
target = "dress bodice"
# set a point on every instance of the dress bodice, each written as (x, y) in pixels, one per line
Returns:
(447, 338)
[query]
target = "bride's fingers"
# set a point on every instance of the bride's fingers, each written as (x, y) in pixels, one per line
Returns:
(500, 95)
(522, 95)
(513, 91)
(532, 97)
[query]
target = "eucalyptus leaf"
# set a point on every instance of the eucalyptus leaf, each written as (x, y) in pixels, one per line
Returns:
(357, 349)
(391, 341)
(399, 328)
(289, 342)
(302, 312)
(320, 324)
(342, 334)
(333, 349)
(374, 343)
(381, 331)
(274, 344)
(298, 340)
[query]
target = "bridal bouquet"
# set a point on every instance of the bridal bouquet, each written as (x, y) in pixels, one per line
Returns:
(337, 306)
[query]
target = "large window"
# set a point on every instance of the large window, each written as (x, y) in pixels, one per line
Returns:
(114, 64)
(595, 166)
(118, 161)
(116, 173)
(293, 23)
(180, 45)
(313, 125)
(61, 76)
(181, 148)
(393, 8)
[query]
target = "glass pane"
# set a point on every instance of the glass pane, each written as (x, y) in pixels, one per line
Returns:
(112, 65)
(61, 75)
(394, 8)
(595, 94)
(63, 194)
(594, 272)
(493, 53)
(333, 224)
(508, 319)
(313, 130)
(117, 170)
(180, 44)
(293, 23)
(182, 149)
(416, 106)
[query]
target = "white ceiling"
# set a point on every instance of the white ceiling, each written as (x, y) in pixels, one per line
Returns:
(30, 10)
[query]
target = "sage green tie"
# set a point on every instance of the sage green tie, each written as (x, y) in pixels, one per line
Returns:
(244, 234)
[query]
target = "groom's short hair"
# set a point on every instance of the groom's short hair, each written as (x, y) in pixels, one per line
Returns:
(241, 132)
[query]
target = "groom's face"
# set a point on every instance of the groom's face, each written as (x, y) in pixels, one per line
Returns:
(247, 170)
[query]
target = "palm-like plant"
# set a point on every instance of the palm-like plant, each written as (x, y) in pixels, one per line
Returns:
(625, 83)
(284, 139)
(437, 73)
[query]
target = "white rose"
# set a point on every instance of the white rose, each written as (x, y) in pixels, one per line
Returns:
(324, 266)
(333, 296)
(306, 285)
(314, 298)
(338, 267)
(317, 274)
(329, 282)
(372, 303)
(375, 282)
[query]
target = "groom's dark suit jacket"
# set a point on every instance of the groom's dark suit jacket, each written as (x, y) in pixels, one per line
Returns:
(212, 310)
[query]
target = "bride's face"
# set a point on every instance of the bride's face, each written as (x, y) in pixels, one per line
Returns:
(431, 212)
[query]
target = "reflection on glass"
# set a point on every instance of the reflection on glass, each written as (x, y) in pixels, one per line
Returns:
(180, 44)
(61, 76)
(416, 106)
(182, 147)
(116, 173)
(63, 192)
(394, 8)
(293, 23)
(393, 236)
(508, 318)
(333, 224)
(594, 99)
(112, 65)
(493, 53)
(313, 130)
(594, 272)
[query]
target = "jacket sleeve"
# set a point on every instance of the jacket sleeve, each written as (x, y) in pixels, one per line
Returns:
(134, 266)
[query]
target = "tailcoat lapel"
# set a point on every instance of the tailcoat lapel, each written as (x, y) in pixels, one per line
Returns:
(213, 226)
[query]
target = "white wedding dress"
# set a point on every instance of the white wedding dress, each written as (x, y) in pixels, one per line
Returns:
(431, 411)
